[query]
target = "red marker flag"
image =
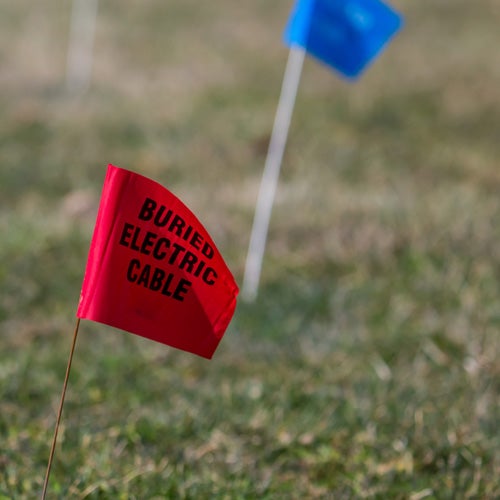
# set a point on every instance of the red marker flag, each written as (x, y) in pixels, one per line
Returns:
(153, 269)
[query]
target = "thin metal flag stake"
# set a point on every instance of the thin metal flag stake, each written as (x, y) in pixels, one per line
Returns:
(271, 172)
(81, 45)
(59, 412)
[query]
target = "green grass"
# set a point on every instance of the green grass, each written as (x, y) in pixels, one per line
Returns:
(367, 367)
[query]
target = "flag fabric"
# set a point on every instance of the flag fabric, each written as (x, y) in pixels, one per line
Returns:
(343, 34)
(153, 269)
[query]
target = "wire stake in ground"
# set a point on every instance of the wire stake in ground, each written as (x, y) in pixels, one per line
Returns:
(59, 412)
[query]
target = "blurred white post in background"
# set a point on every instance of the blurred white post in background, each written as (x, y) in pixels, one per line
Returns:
(271, 173)
(81, 45)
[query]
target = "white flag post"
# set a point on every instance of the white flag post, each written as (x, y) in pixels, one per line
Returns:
(271, 172)
(81, 45)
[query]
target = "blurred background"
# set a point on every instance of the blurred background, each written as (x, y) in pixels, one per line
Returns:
(368, 366)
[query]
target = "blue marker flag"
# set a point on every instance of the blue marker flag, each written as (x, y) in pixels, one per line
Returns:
(343, 34)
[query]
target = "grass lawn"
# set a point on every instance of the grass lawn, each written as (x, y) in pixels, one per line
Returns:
(367, 367)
